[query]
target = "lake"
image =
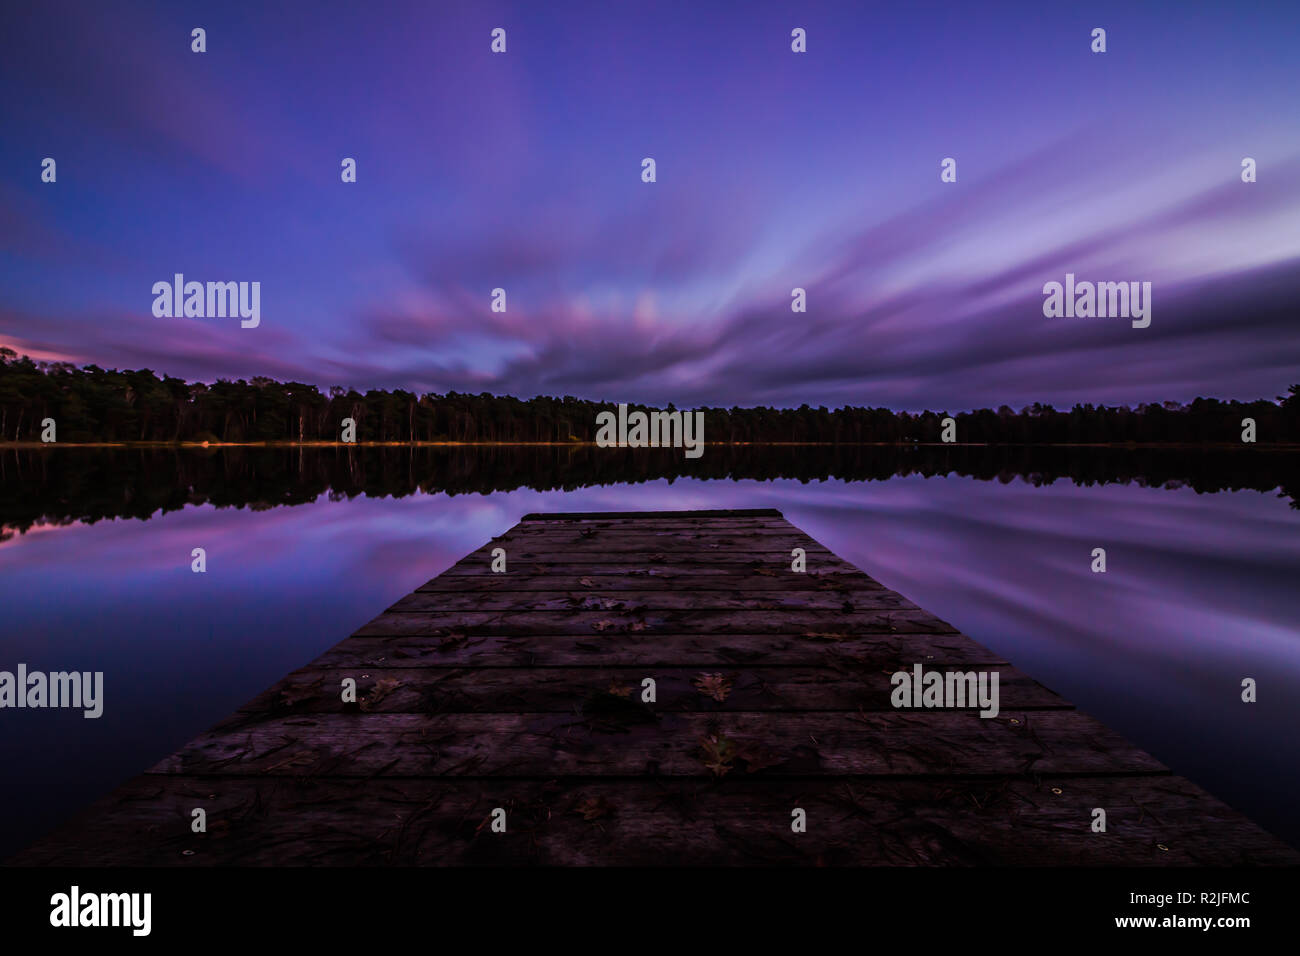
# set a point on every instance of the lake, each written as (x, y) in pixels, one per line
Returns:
(305, 545)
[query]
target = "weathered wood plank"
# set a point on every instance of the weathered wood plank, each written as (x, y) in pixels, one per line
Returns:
(601, 599)
(658, 650)
(599, 578)
(432, 690)
(723, 525)
(595, 535)
(729, 514)
(636, 740)
(683, 567)
(632, 544)
(811, 623)
(1156, 821)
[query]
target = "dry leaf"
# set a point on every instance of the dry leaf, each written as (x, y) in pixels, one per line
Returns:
(602, 625)
(717, 686)
(382, 689)
(719, 753)
(619, 690)
(766, 572)
(594, 807)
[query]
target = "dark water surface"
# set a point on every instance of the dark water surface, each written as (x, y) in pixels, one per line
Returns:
(304, 546)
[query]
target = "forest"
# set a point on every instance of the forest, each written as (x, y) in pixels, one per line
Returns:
(92, 404)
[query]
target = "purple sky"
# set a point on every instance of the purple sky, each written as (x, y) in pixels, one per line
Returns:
(775, 170)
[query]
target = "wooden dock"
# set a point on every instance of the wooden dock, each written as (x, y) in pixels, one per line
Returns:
(523, 691)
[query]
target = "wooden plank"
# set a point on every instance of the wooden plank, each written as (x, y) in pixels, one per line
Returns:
(594, 534)
(1155, 821)
(637, 740)
(732, 514)
(566, 690)
(743, 546)
(810, 623)
(600, 599)
(683, 566)
(658, 650)
(597, 578)
(703, 536)
(723, 525)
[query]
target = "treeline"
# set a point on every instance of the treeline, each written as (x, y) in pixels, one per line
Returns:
(91, 404)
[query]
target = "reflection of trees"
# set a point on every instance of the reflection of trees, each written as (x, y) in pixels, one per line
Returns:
(61, 485)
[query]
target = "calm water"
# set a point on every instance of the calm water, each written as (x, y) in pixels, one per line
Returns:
(1200, 592)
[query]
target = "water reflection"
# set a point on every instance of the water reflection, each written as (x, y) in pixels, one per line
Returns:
(1199, 592)
(59, 485)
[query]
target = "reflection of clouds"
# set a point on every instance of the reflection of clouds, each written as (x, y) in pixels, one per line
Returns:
(955, 546)
(10, 537)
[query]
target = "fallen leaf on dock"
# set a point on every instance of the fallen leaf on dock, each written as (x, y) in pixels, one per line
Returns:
(594, 807)
(717, 686)
(382, 689)
(718, 753)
